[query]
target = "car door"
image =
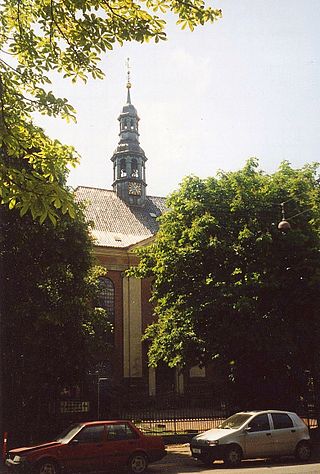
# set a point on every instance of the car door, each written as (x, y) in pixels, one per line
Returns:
(258, 440)
(122, 441)
(285, 434)
(85, 451)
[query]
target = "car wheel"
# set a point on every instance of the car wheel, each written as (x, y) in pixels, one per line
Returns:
(303, 451)
(233, 456)
(48, 467)
(138, 463)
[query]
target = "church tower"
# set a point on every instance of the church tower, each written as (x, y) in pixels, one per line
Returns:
(129, 175)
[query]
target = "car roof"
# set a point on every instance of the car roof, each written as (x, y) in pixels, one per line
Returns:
(103, 422)
(255, 412)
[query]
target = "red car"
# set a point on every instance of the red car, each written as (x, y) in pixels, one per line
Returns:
(91, 446)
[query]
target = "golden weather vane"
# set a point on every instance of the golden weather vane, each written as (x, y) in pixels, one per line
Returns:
(128, 73)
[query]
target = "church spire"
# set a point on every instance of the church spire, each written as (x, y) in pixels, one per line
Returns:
(129, 176)
(128, 82)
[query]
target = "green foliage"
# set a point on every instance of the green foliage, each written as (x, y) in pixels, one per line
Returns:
(38, 37)
(229, 286)
(52, 334)
(35, 184)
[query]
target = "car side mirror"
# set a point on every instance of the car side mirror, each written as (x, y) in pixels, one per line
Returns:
(247, 429)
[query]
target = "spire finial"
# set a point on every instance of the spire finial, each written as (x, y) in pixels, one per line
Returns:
(128, 81)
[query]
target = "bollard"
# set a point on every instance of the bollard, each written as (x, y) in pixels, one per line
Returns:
(4, 446)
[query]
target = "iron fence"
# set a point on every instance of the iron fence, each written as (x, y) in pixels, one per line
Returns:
(175, 420)
(187, 421)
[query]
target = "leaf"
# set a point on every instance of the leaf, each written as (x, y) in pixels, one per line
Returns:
(12, 203)
(52, 218)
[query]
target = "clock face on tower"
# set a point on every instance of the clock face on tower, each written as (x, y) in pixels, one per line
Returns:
(134, 189)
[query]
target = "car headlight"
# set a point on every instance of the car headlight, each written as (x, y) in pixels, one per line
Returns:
(213, 443)
(18, 458)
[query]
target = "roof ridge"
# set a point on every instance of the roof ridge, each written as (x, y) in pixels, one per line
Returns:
(161, 197)
(112, 191)
(94, 187)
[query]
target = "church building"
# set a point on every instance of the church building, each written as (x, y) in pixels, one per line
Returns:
(123, 219)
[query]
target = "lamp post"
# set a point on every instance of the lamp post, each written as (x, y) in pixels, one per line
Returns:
(100, 379)
(313, 374)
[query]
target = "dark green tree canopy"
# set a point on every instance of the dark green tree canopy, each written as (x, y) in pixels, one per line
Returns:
(38, 37)
(51, 332)
(228, 285)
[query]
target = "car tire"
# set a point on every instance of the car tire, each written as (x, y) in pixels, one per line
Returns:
(47, 466)
(303, 451)
(138, 463)
(233, 455)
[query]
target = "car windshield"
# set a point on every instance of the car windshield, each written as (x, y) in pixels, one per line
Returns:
(68, 434)
(235, 421)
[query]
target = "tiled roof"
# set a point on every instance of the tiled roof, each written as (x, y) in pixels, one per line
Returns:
(114, 223)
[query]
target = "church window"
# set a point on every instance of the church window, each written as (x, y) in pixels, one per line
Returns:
(123, 168)
(143, 172)
(125, 123)
(106, 299)
(134, 169)
(132, 124)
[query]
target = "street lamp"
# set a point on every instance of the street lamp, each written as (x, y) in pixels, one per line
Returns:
(284, 224)
(100, 379)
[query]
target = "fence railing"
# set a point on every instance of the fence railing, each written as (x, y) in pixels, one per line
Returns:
(178, 426)
(184, 421)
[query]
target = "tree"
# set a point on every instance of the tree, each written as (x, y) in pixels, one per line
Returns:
(52, 333)
(39, 37)
(229, 287)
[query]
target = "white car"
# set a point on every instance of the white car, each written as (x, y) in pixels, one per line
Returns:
(248, 435)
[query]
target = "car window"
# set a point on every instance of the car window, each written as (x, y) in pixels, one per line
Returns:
(120, 431)
(281, 420)
(90, 434)
(260, 423)
(235, 421)
(68, 434)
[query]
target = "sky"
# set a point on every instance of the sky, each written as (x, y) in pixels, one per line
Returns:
(246, 85)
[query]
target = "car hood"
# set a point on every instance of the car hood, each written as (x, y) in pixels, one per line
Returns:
(214, 434)
(28, 449)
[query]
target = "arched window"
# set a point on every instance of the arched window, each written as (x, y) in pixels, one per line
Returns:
(134, 168)
(123, 168)
(107, 297)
